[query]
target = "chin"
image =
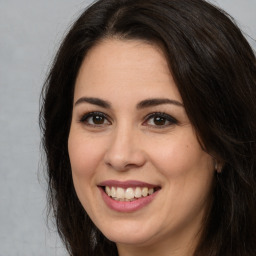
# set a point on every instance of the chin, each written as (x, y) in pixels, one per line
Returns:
(126, 234)
(131, 239)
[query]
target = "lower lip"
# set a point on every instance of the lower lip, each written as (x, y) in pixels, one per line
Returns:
(126, 206)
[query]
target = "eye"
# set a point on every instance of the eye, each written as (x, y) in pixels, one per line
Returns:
(95, 119)
(160, 120)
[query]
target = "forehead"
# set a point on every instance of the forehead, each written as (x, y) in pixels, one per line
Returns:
(134, 66)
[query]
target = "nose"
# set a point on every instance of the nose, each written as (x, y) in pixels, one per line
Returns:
(124, 150)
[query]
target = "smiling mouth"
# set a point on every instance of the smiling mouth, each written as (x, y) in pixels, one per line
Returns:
(129, 194)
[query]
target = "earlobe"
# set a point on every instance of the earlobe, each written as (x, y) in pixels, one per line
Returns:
(217, 166)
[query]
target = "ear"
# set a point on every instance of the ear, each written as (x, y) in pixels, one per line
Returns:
(218, 166)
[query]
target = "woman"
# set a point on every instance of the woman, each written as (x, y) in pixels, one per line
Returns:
(149, 129)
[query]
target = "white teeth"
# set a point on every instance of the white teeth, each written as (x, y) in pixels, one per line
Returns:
(150, 191)
(120, 193)
(108, 191)
(113, 192)
(145, 192)
(137, 192)
(129, 194)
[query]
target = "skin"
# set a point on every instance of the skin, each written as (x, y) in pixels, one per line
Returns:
(128, 145)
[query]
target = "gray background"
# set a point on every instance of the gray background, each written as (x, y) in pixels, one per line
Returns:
(30, 32)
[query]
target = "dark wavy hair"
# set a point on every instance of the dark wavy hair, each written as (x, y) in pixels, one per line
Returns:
(215, 71)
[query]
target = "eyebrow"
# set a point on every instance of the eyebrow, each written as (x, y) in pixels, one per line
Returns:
(143, 104)
(155, 102)
(94, 101)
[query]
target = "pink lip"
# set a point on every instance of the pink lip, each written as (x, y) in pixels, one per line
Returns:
(124, 206)
(126, 184)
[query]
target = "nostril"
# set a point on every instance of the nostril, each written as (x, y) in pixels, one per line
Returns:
(122, 156)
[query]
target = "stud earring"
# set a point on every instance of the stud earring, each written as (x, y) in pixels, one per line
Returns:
(217, 167)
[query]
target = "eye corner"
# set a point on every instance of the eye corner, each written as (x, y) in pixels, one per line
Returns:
(159, 120)
(95, 119)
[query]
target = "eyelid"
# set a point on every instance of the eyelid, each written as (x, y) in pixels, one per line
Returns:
(87, 115)
(169, 118)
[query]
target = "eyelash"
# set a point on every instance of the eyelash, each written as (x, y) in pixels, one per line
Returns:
(163, 116)
(85, 118)
(167, 118)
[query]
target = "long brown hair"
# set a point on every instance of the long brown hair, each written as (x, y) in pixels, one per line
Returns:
(215, 71)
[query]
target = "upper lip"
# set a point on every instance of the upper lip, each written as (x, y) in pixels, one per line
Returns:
(126, 184)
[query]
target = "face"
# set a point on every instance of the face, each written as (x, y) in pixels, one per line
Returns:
(137, 166)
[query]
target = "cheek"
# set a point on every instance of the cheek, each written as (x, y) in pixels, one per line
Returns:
(179, 155)
(187, 169)
(188, 174)
(85, 155)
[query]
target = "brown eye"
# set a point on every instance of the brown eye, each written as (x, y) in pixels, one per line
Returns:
(95, 119)
(98, 119)
(160, 120)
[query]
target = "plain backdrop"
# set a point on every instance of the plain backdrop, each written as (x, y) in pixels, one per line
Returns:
(30, 33)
